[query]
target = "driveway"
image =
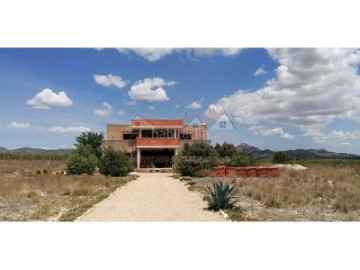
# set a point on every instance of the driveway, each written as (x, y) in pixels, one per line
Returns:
(152, 197)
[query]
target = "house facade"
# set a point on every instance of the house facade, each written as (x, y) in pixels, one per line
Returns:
(153, 142)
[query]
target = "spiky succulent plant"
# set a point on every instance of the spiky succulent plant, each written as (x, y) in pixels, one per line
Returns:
(220, 196)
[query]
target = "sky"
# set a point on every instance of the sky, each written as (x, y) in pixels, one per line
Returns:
(279, 98)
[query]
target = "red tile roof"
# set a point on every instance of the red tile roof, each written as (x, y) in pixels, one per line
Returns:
(157, 123)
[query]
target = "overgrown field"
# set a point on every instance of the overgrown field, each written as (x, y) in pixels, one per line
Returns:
(320, 193)
(29, 191)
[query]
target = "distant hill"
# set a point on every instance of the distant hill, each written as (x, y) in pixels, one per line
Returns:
(297, 153)
(35, 151)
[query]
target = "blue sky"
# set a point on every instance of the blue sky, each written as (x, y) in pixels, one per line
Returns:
(280, 98)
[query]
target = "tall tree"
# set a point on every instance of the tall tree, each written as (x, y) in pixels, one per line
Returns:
(92, 140)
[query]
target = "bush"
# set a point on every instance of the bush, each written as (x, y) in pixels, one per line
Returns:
(79, 164)
(193, 166)
(281, 157)
(200, 149)
(242, 159)
(220, 196)
(197, 159)
(115, 163)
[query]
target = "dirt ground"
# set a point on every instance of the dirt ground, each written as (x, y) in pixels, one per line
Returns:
(316, 194)
(36, 190)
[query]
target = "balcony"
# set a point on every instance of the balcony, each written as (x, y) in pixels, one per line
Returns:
(157, 143)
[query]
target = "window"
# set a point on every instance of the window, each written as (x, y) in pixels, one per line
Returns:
(129, 136)
(185, 136)
(222, 124)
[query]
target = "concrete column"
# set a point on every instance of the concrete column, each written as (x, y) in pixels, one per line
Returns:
(140, 133)
(138, 158)
(174, 133)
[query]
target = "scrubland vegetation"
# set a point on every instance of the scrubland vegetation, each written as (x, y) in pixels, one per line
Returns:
(320, 193)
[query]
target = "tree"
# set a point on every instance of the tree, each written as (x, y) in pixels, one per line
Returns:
(115, 163)
(93, 139)
(200, 149)
(226, 149)
(281, 157)
(242, 159)
(197, 159)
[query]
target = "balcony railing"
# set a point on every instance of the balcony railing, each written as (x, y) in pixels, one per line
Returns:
(156, 142)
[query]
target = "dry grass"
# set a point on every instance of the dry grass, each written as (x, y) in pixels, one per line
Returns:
(53, 197)
(319, 193)
(30, 166)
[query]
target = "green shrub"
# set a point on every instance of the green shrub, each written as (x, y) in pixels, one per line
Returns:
(193, 166)
(200, 149)
(281, 157)
(220, 196)
(93, 140)
(242, 159)
(115, 163)
(197, 159)
(78, 164)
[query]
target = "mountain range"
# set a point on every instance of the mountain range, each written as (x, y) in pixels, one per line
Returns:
(35, 151)
(261, 154)
(297, 153)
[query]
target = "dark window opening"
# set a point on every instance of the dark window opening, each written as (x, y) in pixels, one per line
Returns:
(185, 136)
(129, 136)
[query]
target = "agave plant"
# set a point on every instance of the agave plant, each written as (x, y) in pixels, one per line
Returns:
(220, 196)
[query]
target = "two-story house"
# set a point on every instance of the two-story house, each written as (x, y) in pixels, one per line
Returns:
(153, 142)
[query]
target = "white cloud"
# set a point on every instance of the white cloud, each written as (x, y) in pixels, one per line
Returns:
(260, 130)
(47, 98)
(120, 112)
(150, 54)
(107, 110)
(152, 107)
(19, 125)
(110, 80)
(346, 143)
(150, 89)
(60, 129)
(311, 89)
(155, 54)
(177, 106)
(131, 103)
(260, 71)
(216, 51)
(194, 105)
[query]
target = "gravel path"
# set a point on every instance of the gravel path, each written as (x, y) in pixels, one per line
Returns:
(152, 197)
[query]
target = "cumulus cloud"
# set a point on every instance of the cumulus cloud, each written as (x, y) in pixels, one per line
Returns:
(311, 89)
(47, 98)
(110, 80)
(60, 129)
(194, 105)
(150, 54)
(19, 125)
(152, 107)
(260, 71)
(105, 111)
(155, 54)
(177, 106)
(150, 89)
(120, 112)
(260, 130)
(346, 143)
